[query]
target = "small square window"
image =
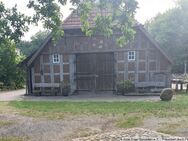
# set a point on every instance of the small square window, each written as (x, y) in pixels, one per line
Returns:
(56, 58)
(131, 56)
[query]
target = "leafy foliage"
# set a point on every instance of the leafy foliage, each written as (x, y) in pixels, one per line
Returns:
(13, 24)
(171, 31)
(49, 13)
(119, 18)
(27, 47)
(125, 87)
(115, 15)
(10, 75)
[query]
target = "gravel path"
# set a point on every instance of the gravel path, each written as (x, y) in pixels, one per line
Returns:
(12, 95)
(81, 97)
(53, 130)
(76, 128)
(93, 98)
(135, 134)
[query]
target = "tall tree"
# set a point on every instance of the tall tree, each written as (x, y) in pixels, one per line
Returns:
(12, 26)
(10, 74)
(171, 31)
(27, 47)
(120, 17)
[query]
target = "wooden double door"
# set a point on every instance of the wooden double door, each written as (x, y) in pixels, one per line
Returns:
(95, 71)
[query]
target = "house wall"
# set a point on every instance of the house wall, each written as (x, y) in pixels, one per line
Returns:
(150, 65)
(45, 73)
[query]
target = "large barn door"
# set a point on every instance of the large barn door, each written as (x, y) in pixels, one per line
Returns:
(85, 71)
(105, 71)
(95, 72)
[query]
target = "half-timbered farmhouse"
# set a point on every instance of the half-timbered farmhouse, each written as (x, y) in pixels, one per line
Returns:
(96, 63)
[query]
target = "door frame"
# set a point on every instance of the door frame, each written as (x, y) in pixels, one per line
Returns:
(113, 75)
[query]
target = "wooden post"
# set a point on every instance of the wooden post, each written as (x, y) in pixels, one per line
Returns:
(176, 86)
(61, 67)
(147, 65)
(115, 70)
(33, 79)
(185, 67)
(181, 86)
(137, 58)
(72, 65)
(42, 74)
(51, 69)
(126, 65)
(27, 82)
(137, 67)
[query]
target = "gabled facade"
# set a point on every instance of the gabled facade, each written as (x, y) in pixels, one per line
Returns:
(96, 63)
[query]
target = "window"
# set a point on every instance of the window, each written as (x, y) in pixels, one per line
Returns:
(56, 58)
(131, 55)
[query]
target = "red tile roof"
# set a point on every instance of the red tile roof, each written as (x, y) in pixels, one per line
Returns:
(73, 21)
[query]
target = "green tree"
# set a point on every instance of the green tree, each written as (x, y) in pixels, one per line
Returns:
(12, 26)
(27, 47)
(171, 31)
(10, 75)
(120, 16)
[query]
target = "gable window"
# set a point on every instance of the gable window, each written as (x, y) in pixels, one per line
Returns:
(131, 56)
(56, 58)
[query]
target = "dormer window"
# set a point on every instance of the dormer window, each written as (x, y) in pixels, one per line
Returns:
(131, 56)
(56, 58)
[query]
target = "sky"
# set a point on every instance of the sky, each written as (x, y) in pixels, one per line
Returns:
(147, 9)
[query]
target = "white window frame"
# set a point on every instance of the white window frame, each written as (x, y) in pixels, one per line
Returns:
(56, 58)
(131, 55)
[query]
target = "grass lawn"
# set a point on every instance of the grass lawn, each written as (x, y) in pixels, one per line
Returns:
(129, 114)
(12, 139)
(6, 123)
(177, 107)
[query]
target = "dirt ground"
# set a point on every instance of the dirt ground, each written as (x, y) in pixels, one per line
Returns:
(48, 130)
(73, 127)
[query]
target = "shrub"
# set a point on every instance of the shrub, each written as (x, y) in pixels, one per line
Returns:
(125, 87)
(11, 76)
(167, 94)
(65, 88)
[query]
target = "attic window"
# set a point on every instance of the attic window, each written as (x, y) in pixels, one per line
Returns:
(131, 56)
(56, 58)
